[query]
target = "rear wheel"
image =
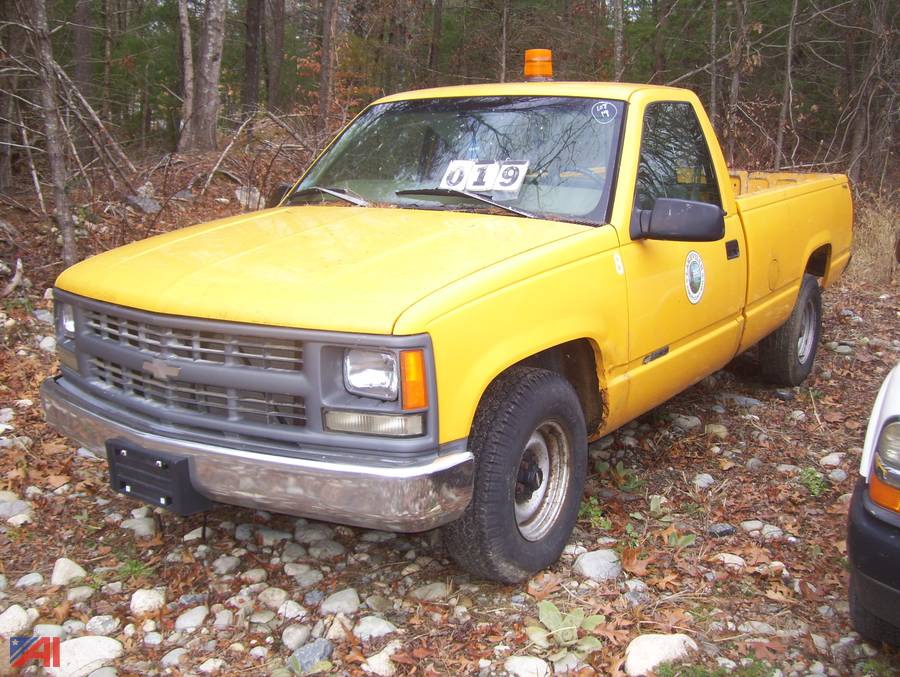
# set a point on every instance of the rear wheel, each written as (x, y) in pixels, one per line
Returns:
(786, 356)
(867, 624)
(530, 448)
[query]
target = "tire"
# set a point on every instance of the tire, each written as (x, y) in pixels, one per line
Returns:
(786, 355)
(530, 447)
(867, 624)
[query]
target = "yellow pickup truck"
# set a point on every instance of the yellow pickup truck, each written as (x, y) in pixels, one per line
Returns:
(464, 288)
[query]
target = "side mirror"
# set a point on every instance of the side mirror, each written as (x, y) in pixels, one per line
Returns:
(276, 195)
(679, 220)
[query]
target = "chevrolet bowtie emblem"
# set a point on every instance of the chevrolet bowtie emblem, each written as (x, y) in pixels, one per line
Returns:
(160, 369)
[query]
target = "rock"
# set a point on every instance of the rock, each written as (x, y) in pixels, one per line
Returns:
(638, 593)
(81, 656)
(309, 533)
(147, 601)
(832, 460)
(259, 652)
(703, 481)
(268, 537)
(837, 475)
(196, 534)
(645, 652)
(325, 549)
(784, 394)
(3, 583)
(290, 610)
(153, 639)
(716, 430)
(339, 629)
(30, 580)
(226, 564)
(66, 571)
(599, 565)
(751, 525)
(48, 630)
(371, 627)
(145, 204)
(273, 597)
(686, 423)
(12, 508)
(378, 536)
(249, 197)
(798, 416)
(292, 552)
(526, 666)
(73, 627)
(304, 658)
(431, 592)
(172, 658)
(787, 469)
(843, 350)
(381, 664)
(720, 530)
(14, 621)
(47, 344)
(741, 400)
(342, 602)
(102, 625)
(733, 562)
(244, 532)
(193, 599)
(254, 575)
(754, 464)
(224, 619)
(379, 603)
(771, 532)
(211, 666)
(192, 618)
(756, 628)
(143, 527)
(294, 636)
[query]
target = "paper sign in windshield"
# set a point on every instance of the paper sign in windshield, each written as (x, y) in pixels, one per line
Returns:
(485, 177)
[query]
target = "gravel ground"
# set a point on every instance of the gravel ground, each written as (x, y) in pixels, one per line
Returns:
(712, 535)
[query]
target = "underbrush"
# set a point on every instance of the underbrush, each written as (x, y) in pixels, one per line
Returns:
(876, 239)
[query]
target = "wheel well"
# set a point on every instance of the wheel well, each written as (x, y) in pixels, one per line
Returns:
(577, 362)
(818, 261)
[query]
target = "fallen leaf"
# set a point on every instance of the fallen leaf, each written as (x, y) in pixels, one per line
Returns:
(632, 564)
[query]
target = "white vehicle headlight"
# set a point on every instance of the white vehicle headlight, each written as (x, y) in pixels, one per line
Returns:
(371, 373)
(888, 449)
(65, 319)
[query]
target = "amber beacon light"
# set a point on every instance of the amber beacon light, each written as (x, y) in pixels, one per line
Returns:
(538, 65)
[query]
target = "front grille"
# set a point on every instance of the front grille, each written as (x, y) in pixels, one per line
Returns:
(231, 404)
(199, 346)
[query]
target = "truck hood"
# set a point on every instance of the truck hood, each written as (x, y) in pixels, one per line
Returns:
(317, 267)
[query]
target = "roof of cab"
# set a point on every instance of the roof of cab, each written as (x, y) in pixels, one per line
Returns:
(593, 90)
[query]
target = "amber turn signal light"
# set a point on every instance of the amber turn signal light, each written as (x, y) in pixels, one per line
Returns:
(538, 64)
(883, 493)
(412, 378)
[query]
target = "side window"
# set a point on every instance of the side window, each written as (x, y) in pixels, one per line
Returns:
(675, 159)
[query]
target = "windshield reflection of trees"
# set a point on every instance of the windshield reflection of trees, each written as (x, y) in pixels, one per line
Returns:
(409, 144)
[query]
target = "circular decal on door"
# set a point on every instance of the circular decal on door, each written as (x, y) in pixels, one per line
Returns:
(694, 277)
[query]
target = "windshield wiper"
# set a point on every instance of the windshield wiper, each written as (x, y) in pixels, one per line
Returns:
(453, 192)
(340, 193)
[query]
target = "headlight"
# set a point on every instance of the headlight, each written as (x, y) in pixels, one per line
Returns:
(371, 373)
(65, 319)
(884, 483)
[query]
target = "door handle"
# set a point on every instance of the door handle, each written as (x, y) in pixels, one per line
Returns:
(732, 249)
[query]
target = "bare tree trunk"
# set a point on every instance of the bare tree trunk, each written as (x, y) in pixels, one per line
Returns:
(434, 46)
(82, 33)
(788, 94)
(10, 39)
(504, 28)
(206, 77)
(661, 17)
(714, 67)
(326, 62)
(186, 139)
(37, 15)
(737, 65)
(250, 89)
(105, 111)
(274, 45)
(618, 40)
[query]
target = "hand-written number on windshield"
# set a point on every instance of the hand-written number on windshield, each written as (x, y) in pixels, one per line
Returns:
(505, 177)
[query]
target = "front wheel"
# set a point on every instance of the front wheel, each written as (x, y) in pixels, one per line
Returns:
(530, 448)
(786, 356)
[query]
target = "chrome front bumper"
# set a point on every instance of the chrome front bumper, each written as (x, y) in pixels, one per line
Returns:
(406, 498)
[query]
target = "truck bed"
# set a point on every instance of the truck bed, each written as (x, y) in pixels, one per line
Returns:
(744, 182)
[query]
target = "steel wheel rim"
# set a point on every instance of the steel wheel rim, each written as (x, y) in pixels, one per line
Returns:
(806, 340)
(537, 508)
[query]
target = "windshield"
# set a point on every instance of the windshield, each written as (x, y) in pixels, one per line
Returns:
(552, 157)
